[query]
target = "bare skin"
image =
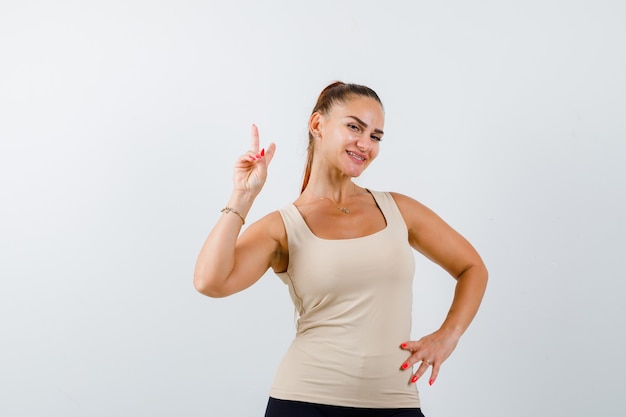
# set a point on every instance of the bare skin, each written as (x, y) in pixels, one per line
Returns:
(347, 141)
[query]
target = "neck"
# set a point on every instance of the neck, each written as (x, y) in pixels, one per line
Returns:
(336, 193)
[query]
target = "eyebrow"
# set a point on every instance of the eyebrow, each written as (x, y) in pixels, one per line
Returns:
(361, 122)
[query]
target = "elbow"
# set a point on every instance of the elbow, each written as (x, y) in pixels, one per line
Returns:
(482, 276)
(476, 273)
(205, 287)
(480, 271)
(485, 273)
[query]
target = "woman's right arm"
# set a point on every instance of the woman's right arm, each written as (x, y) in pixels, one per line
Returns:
(227, 262)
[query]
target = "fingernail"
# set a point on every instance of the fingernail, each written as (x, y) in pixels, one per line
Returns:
(414, 379)
(263, 152)
(431, 382)
(405, 365)
(403, 345)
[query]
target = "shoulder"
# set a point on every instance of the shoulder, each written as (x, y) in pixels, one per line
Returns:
(405, 204)
(271, 225)
(408, 205)
(428, 233)
(416, 215)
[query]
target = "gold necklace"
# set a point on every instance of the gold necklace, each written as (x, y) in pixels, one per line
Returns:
(344, 210)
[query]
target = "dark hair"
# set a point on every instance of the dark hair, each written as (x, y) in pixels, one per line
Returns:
(335, 93)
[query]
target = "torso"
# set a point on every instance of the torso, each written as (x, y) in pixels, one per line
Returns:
(352, 291)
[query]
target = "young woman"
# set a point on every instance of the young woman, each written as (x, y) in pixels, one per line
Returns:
(346, 254)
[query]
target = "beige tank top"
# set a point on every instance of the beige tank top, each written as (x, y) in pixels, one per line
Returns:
(354, 300)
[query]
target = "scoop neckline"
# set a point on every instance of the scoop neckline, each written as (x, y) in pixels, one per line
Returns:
(301, 217)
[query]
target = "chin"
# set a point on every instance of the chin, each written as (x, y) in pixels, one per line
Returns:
(354, 174)
(354, 171)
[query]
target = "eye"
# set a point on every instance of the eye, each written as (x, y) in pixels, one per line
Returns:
(376, 138)
(354, 127)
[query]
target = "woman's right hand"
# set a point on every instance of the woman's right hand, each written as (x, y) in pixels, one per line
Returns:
(250, 170)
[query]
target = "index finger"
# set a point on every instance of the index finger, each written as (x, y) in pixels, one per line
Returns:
(254, 133)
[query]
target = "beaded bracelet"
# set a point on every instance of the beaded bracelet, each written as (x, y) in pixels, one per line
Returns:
(232, 210)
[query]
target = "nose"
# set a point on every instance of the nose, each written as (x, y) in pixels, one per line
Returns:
(363, 145)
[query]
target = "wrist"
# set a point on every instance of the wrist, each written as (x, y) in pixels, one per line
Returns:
(241, 202)
(450, 330)
(227, 210)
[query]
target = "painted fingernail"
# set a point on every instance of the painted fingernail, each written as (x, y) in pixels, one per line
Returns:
(403, 345)
(405, 365)
(263, 152)
(431, 382)
(414, 379)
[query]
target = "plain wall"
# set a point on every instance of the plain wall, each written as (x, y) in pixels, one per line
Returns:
(119, 125)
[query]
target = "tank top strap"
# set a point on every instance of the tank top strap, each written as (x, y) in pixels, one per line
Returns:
(390, 210)
(297, 229)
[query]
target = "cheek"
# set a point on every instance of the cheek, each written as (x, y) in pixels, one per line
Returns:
(350, 136)
(374, 151)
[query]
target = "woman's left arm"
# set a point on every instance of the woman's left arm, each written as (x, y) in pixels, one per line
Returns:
(436, 240)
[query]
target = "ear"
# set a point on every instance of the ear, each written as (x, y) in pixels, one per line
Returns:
(315, 125)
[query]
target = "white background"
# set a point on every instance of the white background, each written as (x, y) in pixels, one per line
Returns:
(119, 124)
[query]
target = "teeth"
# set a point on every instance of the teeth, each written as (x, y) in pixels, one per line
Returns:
(356, 156)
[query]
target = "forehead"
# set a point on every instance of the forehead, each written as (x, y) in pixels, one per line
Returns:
(365, 108)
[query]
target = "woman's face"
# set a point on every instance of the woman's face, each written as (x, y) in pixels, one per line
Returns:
(349, 134)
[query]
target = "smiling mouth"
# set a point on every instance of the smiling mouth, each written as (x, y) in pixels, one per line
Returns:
(359, 157)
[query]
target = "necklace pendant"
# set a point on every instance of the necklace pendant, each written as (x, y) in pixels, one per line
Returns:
(344, 210)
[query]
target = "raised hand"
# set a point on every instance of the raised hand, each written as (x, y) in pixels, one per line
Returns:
(250, 170)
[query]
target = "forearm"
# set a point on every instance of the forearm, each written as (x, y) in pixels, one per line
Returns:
(217, 256)
(468, 294)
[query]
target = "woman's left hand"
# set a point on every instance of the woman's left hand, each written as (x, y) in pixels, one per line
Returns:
(431, 350)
